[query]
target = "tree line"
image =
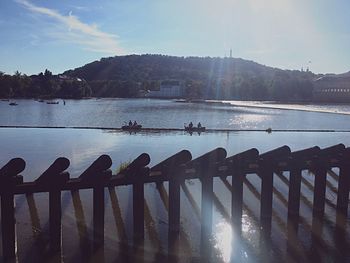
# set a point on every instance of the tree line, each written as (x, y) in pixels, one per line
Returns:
(43, 85)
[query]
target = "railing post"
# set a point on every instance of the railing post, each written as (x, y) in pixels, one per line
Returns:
(320, 165)
(54, 179)
(97, 174)
(55, 215)
(205, 168)
(344, 184)
(8, 225)
(319, 188)
(298, 162)
(294, 191)
(237, 199)
(174, 208)
(341, 231)
(266, 174)
(98, 215)
(9, 178)
(206, 212)
(293, 206)
(138, 210)
(136, 170)
(172, 168)
(236, 165)
(267, 163)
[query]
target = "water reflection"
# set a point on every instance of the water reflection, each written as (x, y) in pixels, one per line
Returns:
(247, 226)
(223, 240)
(251, 121)
(122, 232)
(39, 245)
(79, 215)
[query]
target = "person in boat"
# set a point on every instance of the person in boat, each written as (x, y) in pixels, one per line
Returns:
(135, 123)
(199, 125)
(190, 125)
(130, 123)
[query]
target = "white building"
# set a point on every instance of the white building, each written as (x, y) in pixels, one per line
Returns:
(168, 89)
(333, 88)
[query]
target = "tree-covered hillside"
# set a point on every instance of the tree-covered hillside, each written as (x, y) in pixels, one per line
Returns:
(204, 77)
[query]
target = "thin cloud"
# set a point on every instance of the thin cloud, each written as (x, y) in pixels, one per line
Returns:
(81, 8)
(88, 36)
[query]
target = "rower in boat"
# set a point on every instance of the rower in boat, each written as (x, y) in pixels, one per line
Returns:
(191, 127)
(132, 126)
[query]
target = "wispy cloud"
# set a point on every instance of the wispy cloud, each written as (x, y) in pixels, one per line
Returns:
(90, 37)
(81, 8)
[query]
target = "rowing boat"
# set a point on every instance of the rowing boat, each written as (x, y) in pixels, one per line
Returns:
(132, 127)
(194, 129)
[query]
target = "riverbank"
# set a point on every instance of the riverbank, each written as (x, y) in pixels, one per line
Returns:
(317, 107)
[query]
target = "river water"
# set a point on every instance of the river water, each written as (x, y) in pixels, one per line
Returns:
(153, 113)
(41, 146)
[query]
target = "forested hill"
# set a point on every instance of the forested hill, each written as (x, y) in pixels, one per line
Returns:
(134, 75)
(204, 77)
(151, 67)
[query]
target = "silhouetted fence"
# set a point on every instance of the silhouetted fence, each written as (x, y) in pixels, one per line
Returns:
(175, 170)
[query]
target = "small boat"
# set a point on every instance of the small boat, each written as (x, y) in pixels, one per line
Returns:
(13, 104)
(194, 129)
(52, 102)
(132, 127)
(182, 100)
(41, 101)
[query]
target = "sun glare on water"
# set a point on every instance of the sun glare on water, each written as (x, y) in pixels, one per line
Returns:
(223, 240)
(226, 241)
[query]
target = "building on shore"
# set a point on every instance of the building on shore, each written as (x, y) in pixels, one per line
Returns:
(168, 89)
(332, 88)
(62, 77)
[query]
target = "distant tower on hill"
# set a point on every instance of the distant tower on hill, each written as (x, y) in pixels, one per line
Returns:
(230, 52)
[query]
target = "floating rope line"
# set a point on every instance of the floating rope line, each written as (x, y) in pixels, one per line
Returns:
(156, 129)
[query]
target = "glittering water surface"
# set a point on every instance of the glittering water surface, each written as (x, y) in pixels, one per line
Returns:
(154, 113)
(40, 147)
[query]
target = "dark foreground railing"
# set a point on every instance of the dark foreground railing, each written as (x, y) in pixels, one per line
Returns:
(175, 170)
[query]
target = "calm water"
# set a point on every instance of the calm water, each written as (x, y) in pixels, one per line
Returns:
(40, 147)
(169, 114)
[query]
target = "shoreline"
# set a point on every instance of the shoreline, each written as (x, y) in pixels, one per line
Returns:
(279, 106)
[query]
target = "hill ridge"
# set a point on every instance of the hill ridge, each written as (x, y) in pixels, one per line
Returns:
(204, 77)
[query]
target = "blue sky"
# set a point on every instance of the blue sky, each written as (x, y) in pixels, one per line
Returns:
(65, 34)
